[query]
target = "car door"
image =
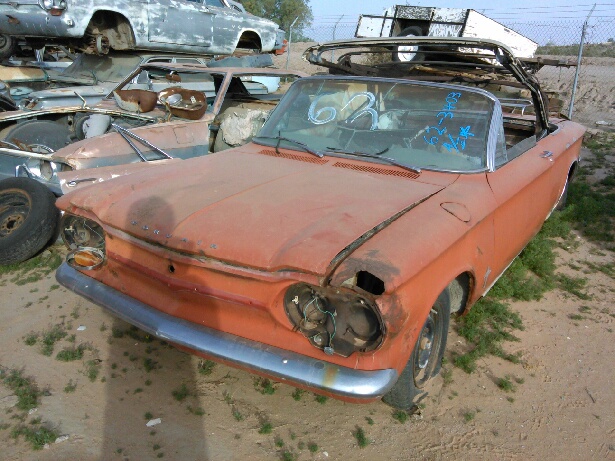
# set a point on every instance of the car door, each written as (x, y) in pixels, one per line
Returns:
(183, 22)
(227, 23)
(524, 188)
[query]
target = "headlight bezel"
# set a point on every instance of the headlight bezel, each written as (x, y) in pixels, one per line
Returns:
(46, 4)
(43, 170)
(335, 320)
(81, 232)
(85, 238)
(55, 5)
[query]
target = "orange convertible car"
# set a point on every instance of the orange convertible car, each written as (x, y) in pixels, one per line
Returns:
(331, 251)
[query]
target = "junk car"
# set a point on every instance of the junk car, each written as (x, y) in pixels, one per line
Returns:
(87, 77)
(95, 26)
(160, 113)
(331, 251)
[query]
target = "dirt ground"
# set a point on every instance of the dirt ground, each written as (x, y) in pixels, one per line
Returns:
(562, 406)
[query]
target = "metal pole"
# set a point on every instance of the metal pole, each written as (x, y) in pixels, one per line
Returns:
(290, 40)
(334, 29)
(579, 57)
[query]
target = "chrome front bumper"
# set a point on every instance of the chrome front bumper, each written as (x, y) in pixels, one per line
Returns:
(278, 363)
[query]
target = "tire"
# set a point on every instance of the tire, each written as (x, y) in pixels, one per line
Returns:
(424, 362)
(48, 136)
(409, 53)
(28, 219)
(8, 46)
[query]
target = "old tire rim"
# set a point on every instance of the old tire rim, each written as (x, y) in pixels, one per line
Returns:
(14, 210)
(425, 345)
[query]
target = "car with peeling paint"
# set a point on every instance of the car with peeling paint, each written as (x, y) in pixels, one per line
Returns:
(331, 251)
(213, 27)
(194, 110)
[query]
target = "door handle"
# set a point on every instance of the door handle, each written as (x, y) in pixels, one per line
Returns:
(546, 154)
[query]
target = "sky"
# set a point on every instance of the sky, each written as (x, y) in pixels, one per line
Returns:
(558, 15)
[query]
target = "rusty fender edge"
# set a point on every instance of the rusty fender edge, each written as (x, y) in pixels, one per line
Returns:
(278, 363)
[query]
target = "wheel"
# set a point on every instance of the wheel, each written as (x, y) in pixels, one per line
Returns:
(102, 45)
(426, 358)
(409, 52)
(49, 136)
(28, 218)
(8, 46)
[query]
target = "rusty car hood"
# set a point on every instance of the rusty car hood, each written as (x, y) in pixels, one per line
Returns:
(253, 208)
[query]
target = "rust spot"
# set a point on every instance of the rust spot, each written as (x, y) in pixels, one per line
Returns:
(395, 316)
(330, 375)
(12, 19)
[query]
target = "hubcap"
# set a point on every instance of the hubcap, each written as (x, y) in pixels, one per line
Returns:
(426, 343)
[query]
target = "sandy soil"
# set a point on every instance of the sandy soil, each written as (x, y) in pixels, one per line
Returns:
(563, 406)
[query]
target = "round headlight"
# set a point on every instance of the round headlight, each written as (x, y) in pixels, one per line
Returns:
(79, 232)
(43, 169)
(334, 320)
(47, 4)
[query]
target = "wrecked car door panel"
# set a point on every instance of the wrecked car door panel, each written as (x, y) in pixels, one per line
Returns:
(521, 183)
(182, 22)
(527, 187)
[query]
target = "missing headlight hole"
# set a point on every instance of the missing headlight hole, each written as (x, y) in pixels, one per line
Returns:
(370, 283)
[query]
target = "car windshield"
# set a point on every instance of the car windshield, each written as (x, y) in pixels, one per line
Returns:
(423, 125)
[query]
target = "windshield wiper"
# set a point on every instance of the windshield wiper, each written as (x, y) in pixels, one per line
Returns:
(127, 134)
(293, 141)
(377, 156)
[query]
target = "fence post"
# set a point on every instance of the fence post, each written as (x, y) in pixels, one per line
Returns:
(290, 40)
(579, 57)
(334, 29)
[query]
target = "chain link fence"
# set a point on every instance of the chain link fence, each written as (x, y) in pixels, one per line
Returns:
(594, 96)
